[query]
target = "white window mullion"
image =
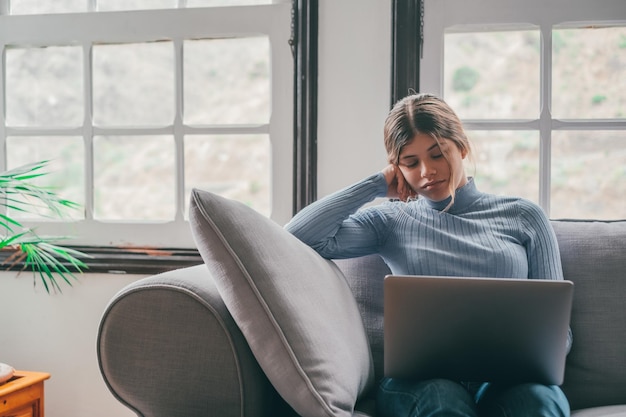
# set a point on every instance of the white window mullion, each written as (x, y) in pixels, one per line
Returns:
(179, 129)
(225, 130)
(545, 118)
(488, 124)
(583, 124)
(281, 124)
(88, 130)
(3, 133)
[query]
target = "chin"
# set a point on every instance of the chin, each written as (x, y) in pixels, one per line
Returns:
(441, 198)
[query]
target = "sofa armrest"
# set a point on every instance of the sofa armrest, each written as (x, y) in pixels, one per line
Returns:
(168, 346)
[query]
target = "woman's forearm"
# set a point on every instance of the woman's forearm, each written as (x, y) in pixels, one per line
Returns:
(319, 223)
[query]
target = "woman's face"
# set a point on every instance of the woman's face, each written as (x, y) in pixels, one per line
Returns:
(426, 169)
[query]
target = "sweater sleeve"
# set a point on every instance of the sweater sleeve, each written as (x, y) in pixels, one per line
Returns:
(542, 249)
(544, 258)
(330, 227)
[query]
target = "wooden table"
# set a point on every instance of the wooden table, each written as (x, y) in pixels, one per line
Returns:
(22, 395)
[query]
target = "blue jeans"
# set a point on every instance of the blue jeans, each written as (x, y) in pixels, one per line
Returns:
(442, 397)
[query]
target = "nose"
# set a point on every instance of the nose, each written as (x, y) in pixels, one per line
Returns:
(428, 170)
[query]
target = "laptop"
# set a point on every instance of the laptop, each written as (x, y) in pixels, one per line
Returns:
(476, 329)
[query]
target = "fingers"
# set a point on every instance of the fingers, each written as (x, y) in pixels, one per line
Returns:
(402, 185)
(397, 185)
(390, 174)
(404, 189)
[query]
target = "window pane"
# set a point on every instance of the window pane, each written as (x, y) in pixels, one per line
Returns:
(47, 6)
(108, 5)
(227, 81)
(134, 178)
(589, 174)
(64, 173)
(133, 84)
(236, 167)
(493, 75)
(588, 67)
(506, 162)
(44, 86)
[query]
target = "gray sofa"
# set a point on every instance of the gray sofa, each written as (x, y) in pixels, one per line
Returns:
(192, 342)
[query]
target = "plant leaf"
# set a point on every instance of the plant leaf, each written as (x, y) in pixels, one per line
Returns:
(47, 260)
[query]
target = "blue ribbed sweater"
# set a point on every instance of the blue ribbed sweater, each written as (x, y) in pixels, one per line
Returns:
(481, 235)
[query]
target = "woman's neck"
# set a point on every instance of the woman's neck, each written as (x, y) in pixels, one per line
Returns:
(464, 196)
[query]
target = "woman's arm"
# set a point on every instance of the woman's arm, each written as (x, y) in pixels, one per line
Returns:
(542, 249)
(328, 226)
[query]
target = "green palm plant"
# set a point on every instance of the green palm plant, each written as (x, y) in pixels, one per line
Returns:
(39, 253)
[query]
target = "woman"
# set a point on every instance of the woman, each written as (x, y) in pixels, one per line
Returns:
(453, 230)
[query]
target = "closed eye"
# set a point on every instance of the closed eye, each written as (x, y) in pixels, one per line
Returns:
(411, 163)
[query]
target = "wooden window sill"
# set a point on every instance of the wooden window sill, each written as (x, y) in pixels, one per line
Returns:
(114, 260)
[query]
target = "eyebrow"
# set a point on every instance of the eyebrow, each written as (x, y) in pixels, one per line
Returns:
(427, 150)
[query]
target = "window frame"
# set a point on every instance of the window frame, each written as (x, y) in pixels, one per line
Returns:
(508, 12)
(303, 42)
(407, 39)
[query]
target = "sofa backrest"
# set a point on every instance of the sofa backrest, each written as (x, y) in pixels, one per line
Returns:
(594, 257)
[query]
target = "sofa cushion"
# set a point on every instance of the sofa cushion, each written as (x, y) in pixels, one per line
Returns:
(607, 411)
(594, 258)
(293, 307)
(365, 276)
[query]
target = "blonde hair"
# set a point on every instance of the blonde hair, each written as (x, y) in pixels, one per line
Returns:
(424, 114)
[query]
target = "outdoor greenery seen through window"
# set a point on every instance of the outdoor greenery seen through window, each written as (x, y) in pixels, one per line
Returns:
(225, 90)
(496, 76)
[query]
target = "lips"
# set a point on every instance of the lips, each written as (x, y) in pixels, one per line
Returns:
(432, 184)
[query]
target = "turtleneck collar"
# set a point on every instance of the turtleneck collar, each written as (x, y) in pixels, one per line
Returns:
(463, 198)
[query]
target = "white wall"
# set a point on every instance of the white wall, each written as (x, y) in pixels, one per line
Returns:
(57, 334)
(354, 90)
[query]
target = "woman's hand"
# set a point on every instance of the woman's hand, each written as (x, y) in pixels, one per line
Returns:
(397, 187)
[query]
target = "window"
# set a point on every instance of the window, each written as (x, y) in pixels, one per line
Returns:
(137, 102)
(541, 88)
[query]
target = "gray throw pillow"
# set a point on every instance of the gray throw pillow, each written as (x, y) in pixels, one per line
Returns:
(294, 308)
